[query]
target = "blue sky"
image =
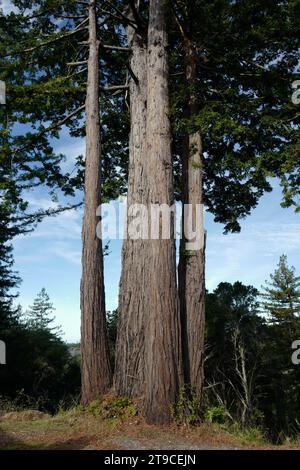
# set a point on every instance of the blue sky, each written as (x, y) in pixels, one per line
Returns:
(50, 257)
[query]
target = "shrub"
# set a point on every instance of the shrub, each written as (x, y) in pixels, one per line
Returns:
(117, 407)
(216, 414)
(186, 409)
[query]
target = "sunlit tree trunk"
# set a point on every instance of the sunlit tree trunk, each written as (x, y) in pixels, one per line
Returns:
(191, 271)
(162, 331)
(130, 367)
(95, 369)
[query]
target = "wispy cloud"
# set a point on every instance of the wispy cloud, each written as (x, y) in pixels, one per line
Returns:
(66, 225)
(66, 252)
(252, 254)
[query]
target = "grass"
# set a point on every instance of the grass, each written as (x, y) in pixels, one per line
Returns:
(252, 435)
(78, 431)
(80, 428)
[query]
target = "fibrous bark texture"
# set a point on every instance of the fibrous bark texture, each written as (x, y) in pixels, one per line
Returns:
(130, 368)
(191, 271)
(95, 368)
(162, 329)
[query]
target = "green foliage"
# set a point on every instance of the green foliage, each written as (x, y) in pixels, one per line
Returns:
(186, 254)
(237, 334)
(20, 402)
(117, 407)
(281, 301)
(247, 59)
(216, 414)
(44, 94)
(94, 407)
(39, 368)
(39, 315)
(112, 323)
(8, 279)
(186, 408)
(281, 297)
(250, 132)
(250, 435)
(197, 166)
(248, 124)
(111, 407)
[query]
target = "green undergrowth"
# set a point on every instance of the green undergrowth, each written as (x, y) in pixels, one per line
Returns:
(108, 407)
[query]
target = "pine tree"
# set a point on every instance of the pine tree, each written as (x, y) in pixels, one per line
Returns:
(281, 296)
(8, 278)
(40, 313)
(49, 79)
(242, 116)
(233, 126)
(281, 303)
(221, 107)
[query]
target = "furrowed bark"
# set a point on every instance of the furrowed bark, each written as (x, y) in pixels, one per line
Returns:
(129, 368)
(191, 270)
(95, 368)
(162, 329)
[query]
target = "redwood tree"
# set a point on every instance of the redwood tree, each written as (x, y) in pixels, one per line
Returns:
(95, 366)
(162, 338)
(132, 311)
(234, 125)
(148, 358)
(191, 269)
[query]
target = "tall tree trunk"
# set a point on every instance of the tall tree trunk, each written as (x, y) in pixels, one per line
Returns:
(191, 271)
(130, 368)
(162, 331)
(95, 368)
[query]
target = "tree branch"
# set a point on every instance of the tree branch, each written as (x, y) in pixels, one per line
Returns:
(82, 23)
(49, 129)
(72, 17)
(121, 17)
(136, 14)
(116, 48)
(132, 74)
(46, 43)
(115, 87)
(63, 121)
(180, 25)
(75, 64)
(40, 215)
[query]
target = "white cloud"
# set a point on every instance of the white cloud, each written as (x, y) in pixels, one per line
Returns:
(252, 254)
(65, 225)
(65, 251)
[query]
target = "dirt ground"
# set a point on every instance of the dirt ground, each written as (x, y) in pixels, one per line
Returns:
(25, 430)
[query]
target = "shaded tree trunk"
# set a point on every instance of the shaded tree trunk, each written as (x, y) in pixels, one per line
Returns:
(162, 330)
(191, 270)
(95, 369)
(130, 367)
